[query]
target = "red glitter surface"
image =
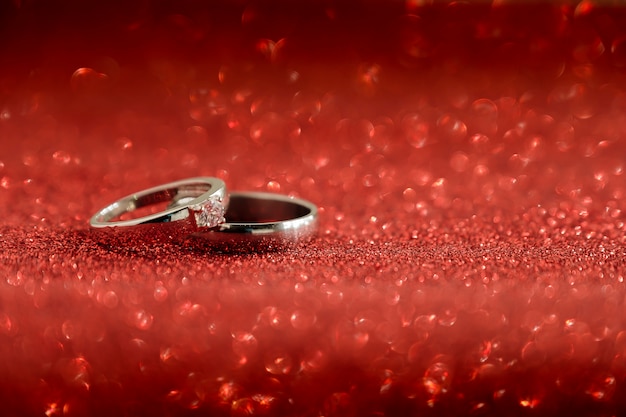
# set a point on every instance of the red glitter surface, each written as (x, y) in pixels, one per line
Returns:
(468, 162)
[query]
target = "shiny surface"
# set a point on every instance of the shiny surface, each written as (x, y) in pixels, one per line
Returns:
(202, 189)
(259, 221)
(468, 165)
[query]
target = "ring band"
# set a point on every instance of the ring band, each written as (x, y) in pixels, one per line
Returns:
(203, 207)
(196, 209)
(258, 221)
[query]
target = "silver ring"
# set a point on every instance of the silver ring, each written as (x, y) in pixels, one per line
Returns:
(259, 221)
(194, 204)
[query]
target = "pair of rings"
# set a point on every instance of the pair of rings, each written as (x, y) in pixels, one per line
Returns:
(201, 208)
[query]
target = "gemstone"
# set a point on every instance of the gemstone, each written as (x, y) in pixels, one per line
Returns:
(209, 213)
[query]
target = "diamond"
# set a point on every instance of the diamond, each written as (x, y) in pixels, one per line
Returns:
(210, 213)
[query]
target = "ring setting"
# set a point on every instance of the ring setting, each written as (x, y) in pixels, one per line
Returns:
(209, 213)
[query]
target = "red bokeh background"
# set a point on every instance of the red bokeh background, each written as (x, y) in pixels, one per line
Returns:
(468, 163)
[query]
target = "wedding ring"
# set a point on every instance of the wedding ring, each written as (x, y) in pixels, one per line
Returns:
(203, 208)
(199, 209)
(259, 221)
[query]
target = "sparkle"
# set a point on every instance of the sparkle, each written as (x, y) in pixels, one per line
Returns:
(472, 192)
(209, 213)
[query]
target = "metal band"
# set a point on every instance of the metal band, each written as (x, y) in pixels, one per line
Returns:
(203, 207)
(262, 221)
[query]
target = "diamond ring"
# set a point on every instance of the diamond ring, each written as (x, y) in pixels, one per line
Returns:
(172, 210)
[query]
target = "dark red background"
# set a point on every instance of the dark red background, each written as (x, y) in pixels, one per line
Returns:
(468, 162)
